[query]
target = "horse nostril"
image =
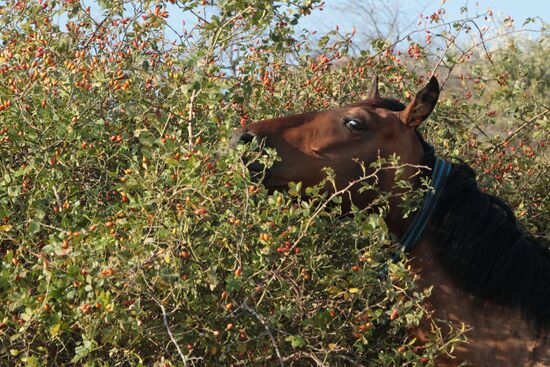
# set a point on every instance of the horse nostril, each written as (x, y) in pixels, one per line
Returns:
(246, 138)
(241, 136)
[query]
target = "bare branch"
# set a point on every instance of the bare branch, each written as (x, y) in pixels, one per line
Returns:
(262, 321)
(523, 126)
(190, 118)
(165, 321)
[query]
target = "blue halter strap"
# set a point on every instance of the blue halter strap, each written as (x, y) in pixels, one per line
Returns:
(414, 233)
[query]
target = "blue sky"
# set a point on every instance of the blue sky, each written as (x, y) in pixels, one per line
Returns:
(519, 10)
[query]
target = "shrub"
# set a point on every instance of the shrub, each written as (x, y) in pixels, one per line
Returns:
(131, 233)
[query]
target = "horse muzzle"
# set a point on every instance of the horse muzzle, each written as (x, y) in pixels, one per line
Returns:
(258, 171)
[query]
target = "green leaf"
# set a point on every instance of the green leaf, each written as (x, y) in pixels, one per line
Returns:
(146, 139)
(5, 227)
(213, 280)
(171, 162)
(296, 341)
(34, 227)
(54, 330)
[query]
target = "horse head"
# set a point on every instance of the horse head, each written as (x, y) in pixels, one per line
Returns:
(346, 140)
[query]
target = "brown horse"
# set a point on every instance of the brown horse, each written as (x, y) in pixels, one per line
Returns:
(486, 271)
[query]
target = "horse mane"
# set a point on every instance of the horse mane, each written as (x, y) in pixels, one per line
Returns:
(485, 249)
(380, 102)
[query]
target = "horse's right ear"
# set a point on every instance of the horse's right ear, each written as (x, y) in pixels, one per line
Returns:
(422, 104)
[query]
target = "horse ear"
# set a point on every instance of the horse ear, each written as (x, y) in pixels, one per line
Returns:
(373, 90)
(422, 104)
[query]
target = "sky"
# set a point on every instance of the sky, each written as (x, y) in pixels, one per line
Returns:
(517, 9)
(339, 12)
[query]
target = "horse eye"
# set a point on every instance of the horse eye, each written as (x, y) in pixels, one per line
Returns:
(354, 124)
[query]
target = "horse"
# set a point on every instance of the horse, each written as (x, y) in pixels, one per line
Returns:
(485, 269)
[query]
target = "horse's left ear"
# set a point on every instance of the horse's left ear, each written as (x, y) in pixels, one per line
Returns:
(373, 90)
(422, 104)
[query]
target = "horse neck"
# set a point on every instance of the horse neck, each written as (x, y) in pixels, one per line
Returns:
(412, 159)
(395, 221)
(496, 332)
(474, 245)
(397, 225)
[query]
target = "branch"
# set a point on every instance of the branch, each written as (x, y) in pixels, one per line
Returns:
(484, 45)
(190, 118)
(262, 321)
(447, 46)
(308, 355)
(97, 28)
(165, 321)
(523, 126)
(344, 190)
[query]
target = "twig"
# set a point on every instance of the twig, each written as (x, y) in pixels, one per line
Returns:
(97, 28)
(262, 321)
(352, 361)
(447, 46)
(484, 45)
(165, 321)
(523, 126)
(474, 123)
(347, 189)
(190, 118)
(420, 31)
(56, 196)
(308, 355)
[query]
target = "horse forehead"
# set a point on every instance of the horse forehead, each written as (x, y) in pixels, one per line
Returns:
(280, 124)
(331, 118)
(315, 120)
(372, 111)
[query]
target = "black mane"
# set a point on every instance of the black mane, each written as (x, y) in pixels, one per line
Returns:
(485, 249)
(380, 102)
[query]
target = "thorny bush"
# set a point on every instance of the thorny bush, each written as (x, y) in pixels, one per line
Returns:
(131, 233)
